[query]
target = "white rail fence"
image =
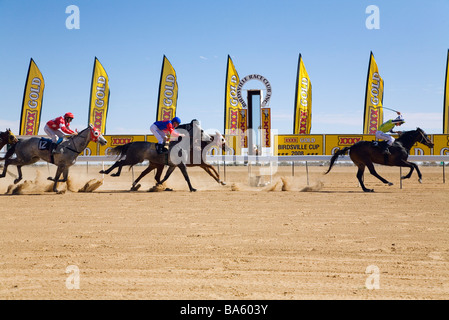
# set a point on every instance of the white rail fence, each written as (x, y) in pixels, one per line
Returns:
(224, 160)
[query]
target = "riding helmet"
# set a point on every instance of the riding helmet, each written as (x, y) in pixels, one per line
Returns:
(176, 119)
(399, 119)
(69, 115)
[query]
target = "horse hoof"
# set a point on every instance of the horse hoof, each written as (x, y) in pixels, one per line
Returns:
(168, 189)
(368, 190)
(420, 180)
(193, 190)
(101, 171)
(50, 178)
(390, 183)
(135, 188)
(115, 175)
(17, 181)
(223, 183)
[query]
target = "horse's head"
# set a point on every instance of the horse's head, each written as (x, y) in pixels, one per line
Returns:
(12, 139)
(423, 138)
(219, 140)
(96, 136)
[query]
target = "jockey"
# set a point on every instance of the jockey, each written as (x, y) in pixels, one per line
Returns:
(56, 128)
(163, 130)
(388, 126)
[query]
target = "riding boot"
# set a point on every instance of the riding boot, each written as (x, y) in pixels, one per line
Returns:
(159, 148)
(385, 149)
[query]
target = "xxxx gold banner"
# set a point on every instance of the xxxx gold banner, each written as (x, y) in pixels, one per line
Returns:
(374, 93)
(32, 101)
(446, 99)
(266, 127)
(232, 104)
(243, 127)
(303, 101)
(99, 97)
(168, 92)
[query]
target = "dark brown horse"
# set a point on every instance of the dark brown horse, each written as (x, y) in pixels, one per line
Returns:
(366, 153)
(7, 137)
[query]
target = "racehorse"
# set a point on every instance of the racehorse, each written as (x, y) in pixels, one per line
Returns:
(215, 140)
(7, 137)
(29, 151)
(365, 153)
(136, 152)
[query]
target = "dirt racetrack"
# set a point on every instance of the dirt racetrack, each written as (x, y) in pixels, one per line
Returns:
(284, 241)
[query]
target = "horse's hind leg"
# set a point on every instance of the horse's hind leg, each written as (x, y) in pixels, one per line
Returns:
(115, 165)
(143, 174)
(167, 175)
(19, 171)
(59, 171)
(371, 169)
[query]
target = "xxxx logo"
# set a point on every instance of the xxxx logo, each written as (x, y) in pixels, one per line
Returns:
(120, 141)
(373, 121)
(30, 122)
(348, 141)
(291, 140)
(234, 114)
(303, 122)
(166, 114)
(98, 118)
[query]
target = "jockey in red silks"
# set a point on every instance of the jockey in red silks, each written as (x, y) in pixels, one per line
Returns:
(57, 127)
(162, 129)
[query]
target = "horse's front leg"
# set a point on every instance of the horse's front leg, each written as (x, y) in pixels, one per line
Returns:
(407, 164)
(59, 171)
(213, 173)
(183, 169)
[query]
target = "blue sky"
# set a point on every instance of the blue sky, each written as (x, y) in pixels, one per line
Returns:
(130, 39)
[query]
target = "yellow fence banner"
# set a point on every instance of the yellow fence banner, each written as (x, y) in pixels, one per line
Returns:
(446, 99)
(232, 104)
(373, 113)
(298, 145)
(303, 101)
(99, 97)
(168, 92)
(32, 101)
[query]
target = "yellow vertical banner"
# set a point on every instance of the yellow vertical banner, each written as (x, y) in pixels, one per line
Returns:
(446, 99)
(303, 101)
(373, 112)
(33, 95)
(99, 97)
(168, 92)
(232, 104)
(243, 127)
(266, 127)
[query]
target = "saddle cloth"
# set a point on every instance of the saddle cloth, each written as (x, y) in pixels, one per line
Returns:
(45, 144)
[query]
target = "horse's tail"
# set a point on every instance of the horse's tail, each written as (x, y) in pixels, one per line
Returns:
(120, 150)
(10, 152)
(335, 156)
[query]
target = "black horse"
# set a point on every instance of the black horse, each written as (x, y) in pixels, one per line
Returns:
(366, 153)
(136, 152)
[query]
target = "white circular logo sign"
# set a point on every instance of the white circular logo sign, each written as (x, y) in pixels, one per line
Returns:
(254, 77)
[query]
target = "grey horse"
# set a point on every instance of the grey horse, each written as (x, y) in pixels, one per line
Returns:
(28, 151)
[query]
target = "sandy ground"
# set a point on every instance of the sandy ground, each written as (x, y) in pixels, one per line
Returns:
(287, 240)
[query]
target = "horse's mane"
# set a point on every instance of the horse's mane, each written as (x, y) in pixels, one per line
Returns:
(408, 138)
